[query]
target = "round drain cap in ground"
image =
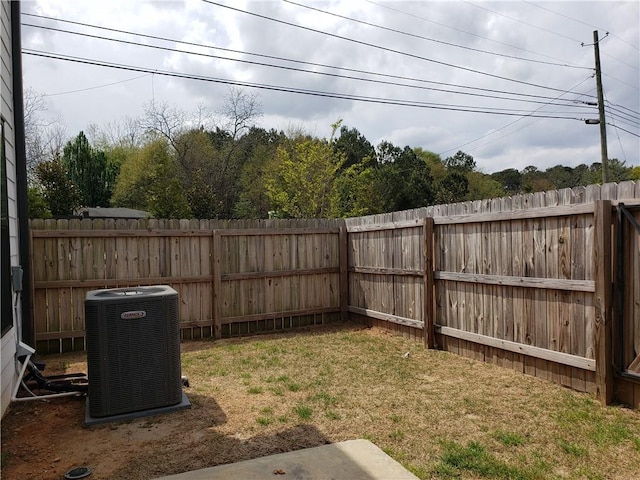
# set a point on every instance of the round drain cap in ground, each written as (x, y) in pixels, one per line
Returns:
(78, 472)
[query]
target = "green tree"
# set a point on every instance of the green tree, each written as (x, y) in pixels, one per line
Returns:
(37, 206)
(356, 191)
(258, 149)
(453, 188)
(562, 177)
(167, 200)
(354, 146)
(510, 179)
(618, 172)
(117, 155)
(460, 162)
(209, 158)
(59, 192)
(201, 196)
(302, 184)
(404, 180)
(434, 162)
(482, 186)
(148, 181)
(90, 171)
(578, 174)
(198, 169)
(533, 180)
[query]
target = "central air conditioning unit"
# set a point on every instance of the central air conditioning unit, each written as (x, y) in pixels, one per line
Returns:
(133, 350)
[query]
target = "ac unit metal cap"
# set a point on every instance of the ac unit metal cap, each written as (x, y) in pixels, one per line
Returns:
(130, 292)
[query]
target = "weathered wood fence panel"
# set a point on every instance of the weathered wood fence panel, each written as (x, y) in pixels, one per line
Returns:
(386, 272)
(515, 284)
(496, 262)
(268, 277)
(523, 282)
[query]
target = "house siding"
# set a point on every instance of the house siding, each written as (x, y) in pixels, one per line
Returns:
(8, 341)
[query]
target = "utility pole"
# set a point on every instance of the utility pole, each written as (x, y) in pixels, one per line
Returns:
(603, 126)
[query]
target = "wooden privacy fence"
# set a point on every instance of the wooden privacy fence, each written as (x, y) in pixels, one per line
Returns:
(233, 278)
(519, 283)
(524, 282)
(544, 283)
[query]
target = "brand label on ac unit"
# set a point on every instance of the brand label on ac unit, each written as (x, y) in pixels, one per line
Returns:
(133, 314)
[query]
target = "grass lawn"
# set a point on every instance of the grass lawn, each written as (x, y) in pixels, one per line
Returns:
(440, 415)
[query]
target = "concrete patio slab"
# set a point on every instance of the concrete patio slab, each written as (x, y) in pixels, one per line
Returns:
(350, 460)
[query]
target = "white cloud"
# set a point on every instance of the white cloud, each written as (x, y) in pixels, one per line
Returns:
(539, 34)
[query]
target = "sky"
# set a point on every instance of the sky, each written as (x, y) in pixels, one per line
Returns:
(510, 83)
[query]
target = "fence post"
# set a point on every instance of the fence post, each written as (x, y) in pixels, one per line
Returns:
(428, 313)
(343, 239)
(603, 302)
(30, 337)
(217, 285)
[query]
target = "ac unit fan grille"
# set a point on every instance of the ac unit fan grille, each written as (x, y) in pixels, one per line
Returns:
(133, 363)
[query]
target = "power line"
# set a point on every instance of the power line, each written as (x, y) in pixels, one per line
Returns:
(604, 53)
(410, 86)
(127, 42)
(622, 115)
(316, 93)
(627, 131)
(521, 21)
(560, 35)
(395, 77)
(442, 42)
(633, 67)
(95, 87)
(508, 125)
(635, 113)
(582, 44)
(465, 31)
(624, 155)
(635, 87)
(391, 50)
(543, 29)
(525, 126)
(621, 121)
(617, 134)
(579, 21)
(625, 121)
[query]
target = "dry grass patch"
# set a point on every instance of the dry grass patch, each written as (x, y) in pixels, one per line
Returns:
(440, 415)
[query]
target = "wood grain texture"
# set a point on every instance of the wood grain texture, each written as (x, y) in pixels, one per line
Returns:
(537, 212)
(516, 270)
(540, 353)
(544, 283)
(602, 321)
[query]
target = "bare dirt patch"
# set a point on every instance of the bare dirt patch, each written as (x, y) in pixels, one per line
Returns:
(251, 397)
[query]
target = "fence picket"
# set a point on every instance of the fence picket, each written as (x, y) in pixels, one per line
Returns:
(236, 277)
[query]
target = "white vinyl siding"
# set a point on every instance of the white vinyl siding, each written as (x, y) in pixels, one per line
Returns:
(8, 341)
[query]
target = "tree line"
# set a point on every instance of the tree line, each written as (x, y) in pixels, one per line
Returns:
(173, 164)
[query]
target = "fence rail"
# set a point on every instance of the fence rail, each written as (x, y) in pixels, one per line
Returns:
(523, 282)
(232, 277)
(515, 282)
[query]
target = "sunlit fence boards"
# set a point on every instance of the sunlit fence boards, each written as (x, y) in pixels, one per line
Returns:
(544, 283)
(232, 278)
(523, 282)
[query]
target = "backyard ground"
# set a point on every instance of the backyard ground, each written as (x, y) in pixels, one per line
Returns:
(440, 415)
